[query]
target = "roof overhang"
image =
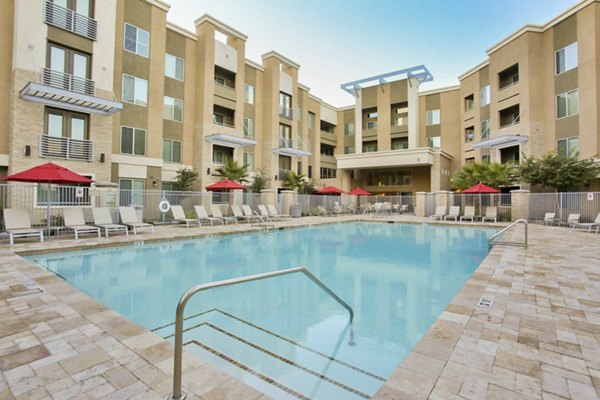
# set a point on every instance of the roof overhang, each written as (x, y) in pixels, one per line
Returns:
(501, 141)
(69, 100)
(420, 73)
(419, 157)
(291, 152)
(223, 139)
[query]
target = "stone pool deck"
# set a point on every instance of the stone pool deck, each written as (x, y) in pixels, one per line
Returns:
(538, 340)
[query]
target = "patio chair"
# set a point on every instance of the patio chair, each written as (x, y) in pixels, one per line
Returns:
(469, 213)
(263, 211)
(179, 216)
(550, 218)
(453, 213)
(216, 213)
(491, 213)
(247, 210)
(129, 218)
(403, 208)
(203, 215)
(239, 214)
(573, 220)
(73, 218)
(440, 213)
(18, 224)
(590, 225)
(103, 220)
(273, 213)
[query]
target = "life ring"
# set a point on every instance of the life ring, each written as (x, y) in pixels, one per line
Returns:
(164, 206)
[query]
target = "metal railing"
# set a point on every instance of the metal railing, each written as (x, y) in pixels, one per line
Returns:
(66, 148)
(262, 220)
(492, 240)
(68, 82)
(286, 143)
(177, 395)
(70, 20)
(286, 112)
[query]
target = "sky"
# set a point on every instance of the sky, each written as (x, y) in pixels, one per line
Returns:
(338, 41)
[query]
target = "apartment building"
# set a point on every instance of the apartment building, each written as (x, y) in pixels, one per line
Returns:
(115, 91)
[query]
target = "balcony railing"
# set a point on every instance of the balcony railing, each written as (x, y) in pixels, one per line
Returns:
(66, 148)
(286, 142)
(222, 122)
(68, 82)
(70, 20)
(286, 112)
(281, 173)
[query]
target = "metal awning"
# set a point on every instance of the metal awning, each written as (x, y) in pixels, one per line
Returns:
(224, 139)
(419, 72)
(501, 141)
(291, 152)
(70, 100)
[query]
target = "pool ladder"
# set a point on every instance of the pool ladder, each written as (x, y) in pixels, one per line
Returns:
(493, 239)
(263, 220)
(178, 352)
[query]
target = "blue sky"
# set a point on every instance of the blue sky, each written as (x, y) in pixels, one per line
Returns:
(337, 41)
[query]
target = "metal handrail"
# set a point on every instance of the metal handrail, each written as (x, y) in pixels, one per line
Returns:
(491, 242)
(264, 220)
(177, 395)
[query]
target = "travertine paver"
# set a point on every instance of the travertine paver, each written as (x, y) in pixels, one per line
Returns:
(539, 340)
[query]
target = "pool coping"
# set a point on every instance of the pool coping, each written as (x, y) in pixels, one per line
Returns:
(100, 334)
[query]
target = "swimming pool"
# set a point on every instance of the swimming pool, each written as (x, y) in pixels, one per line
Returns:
(285, 336)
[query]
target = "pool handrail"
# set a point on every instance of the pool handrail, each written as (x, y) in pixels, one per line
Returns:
(491, 242)
(178, 352)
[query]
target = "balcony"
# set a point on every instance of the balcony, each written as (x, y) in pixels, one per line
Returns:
(281, 173)
(66, 148)
(423, 156)
(285, 147)
(286, 112)
(67, 91)
(70, 21)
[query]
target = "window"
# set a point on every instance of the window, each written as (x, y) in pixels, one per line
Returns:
(370, 125)
(173, 109)
(223, 116)
(348, 149)
(66, 135)
(469, 134)
(55, 15)
(249, 128)
(171, 150)
(349, 129)
(285, 105)
(285, 131)
(509, 76)
(311, 120)
(432, 117)
(66, 124)
(400, 143)
(63, 61)
(469, 160)
(485, 158)
(131, 191)
(135, 90)
(224, 77)
(400, 121)
(485, 96)
(469, 102)
(434, 142)
(168, 186)
(485, 129)
(173, 67)
(566, 58)
(568, 147)
(221, 153)
(369, 147)
(136, 40)
(327, 150)
(510, 116)
(248, 94)
(133, 141)
(391, 178)
(567, 104)
(249, 161)
(327, 173)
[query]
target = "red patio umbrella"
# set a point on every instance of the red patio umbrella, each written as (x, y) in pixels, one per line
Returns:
(359, 192)
(48, 173)
(225, 184)
(330, 190)
(479, 189)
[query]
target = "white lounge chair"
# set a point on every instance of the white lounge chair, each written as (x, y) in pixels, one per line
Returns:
(203, 215)
(453, 213)
(73, 218)
(550, 218)
(440, 213)
(239, 214)
(248, 212)
(129, 218)
(491, 213)
(18, 224)
(216, 213)
(263, 214)
(589, 225)
(469, 213)
(273, 213)
(573, 220)
(103, 220)
(179, 216)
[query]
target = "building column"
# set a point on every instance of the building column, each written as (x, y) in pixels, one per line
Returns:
(269, 196)
(442, 198)
(420, 207)
(236, 198)
(358, 122)
(413, 113)
(287, 201)
(519, 204)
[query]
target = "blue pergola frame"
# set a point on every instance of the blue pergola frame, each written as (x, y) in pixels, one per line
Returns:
(421, 73)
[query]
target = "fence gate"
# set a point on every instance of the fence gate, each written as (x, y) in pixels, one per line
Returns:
(429, 204)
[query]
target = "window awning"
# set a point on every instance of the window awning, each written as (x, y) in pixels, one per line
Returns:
(223, 139)
(291, 152)
(501, 141)
(69, 100)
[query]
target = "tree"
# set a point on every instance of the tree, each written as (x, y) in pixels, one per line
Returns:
(292, 180)
(185, 179)
(233, 171)
(259, 182)
(494, 175)
(307, 187)
(558, 171)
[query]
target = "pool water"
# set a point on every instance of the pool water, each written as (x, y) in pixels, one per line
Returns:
(285, 336)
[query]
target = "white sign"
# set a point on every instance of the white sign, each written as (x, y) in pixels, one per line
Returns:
(79, 192)
(591, 196)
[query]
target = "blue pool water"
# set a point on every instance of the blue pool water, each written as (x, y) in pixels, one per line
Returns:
(397, 277)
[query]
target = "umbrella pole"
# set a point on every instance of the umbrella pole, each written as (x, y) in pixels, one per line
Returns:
(48, 210)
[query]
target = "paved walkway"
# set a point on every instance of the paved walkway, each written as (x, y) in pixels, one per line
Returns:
(538, 340)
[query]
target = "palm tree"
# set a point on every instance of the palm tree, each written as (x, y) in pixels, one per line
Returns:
(292, 180)
(233, 171)
(494, 175)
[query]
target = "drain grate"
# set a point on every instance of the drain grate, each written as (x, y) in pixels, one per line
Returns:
(489, 318)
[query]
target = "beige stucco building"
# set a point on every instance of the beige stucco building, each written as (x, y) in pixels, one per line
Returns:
(113, 90)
